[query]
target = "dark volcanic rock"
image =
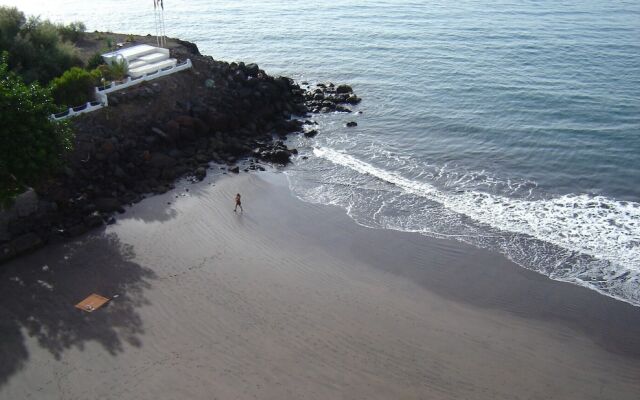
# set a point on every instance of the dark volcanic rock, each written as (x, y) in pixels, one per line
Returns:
(191, 47)
(108, 204)
(311, 133)
(94, 220)
(25, 243)
(77, 230)
(7, 252)
(344, 89)
(201, 173)
(351, 124)
(353, 99)
(160, 160)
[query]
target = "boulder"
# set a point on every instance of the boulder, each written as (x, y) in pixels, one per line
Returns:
(108, 204)
(351, 124)
(353, 99)
(235, 170)
(252, 69)
(200, 173)
(77, 230)
(107, 147)
(26, 242)
(311, 133)
(6, 252)
(161, 160)
(190, 46)
(344, 89)
(172, 129)
(93, 220)
(26, 203)
(279, 156)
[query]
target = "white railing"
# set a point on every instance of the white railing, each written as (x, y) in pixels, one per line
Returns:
(114, 86)
(101, 92)
(73, 111)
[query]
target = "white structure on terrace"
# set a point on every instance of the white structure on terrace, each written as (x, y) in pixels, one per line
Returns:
(141, 59)
(143, 62)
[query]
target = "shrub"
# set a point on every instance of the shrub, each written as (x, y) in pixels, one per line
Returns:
(32, 146)
(103, 72)
(118, 70)
(95, 61)
(74, 88)
(74, 32)
(35, 49)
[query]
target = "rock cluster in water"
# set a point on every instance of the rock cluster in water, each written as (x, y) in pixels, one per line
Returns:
(154, 133)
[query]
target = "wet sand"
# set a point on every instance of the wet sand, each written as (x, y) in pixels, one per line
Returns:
(290, 300)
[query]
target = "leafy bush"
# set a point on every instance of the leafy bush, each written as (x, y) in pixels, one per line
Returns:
(118, 70)
(95, 61)
(74, 88)
(36, 51)
(32, 146)
(74, 32)
(109, 73)
(103, 72)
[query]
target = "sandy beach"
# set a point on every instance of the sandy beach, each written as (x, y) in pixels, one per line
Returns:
(291, 300)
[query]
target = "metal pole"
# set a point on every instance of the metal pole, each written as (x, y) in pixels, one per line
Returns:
(164, 32)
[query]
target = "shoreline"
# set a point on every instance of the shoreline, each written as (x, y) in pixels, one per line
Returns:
(292, 299)
(228, 113)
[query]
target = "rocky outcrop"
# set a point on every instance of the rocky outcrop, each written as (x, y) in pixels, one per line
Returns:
(155, 133)
(324, 98)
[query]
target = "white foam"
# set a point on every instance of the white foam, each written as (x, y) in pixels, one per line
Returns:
(596, 226)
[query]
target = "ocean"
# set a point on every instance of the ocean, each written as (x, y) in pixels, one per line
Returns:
(509, 125)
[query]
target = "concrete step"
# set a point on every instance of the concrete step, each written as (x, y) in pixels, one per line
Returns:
(148, 59)
(137, 64)
(154, 57)
(130, 54)
(145, 69)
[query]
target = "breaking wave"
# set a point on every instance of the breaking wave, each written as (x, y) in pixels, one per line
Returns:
(593, 241)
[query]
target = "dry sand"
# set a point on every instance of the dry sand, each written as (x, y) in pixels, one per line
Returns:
(295, 301)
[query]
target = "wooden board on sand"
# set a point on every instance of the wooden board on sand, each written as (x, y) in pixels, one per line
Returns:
(92, 303)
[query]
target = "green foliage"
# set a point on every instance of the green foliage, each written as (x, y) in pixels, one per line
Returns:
(118, 70)
(75, 87)
(11, 20)
(95, 61)
(103, 72)
(36, 50)
(32, 146)
(74, 32)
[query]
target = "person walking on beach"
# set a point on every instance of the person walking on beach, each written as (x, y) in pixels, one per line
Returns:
(238, 203)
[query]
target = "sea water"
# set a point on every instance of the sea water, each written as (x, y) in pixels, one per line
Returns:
(511, 125)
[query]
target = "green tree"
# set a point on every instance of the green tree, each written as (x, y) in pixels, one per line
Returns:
(11, 20)
(74, 32)
(37, 49)
(32, 146)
